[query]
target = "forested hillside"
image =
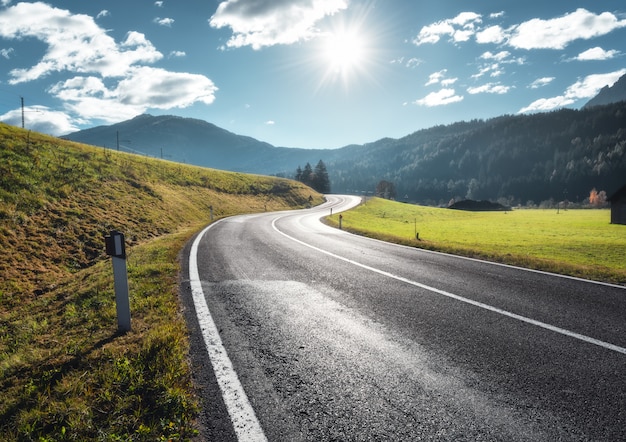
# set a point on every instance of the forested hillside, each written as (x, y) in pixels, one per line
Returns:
(558, 155)
(547, 156)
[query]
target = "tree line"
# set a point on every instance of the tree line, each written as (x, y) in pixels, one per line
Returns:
(316, 178)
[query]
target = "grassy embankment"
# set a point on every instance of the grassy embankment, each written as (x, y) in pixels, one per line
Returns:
(579, 243)
(65, 372)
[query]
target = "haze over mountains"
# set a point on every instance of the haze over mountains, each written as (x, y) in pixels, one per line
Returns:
(557, 155)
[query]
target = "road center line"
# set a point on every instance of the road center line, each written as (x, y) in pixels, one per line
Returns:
(488, 307)
(244, 420)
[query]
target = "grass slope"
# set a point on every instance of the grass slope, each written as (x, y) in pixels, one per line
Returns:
(579, 243)
(65, 372)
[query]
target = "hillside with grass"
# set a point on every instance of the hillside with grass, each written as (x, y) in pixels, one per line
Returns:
(65, 371)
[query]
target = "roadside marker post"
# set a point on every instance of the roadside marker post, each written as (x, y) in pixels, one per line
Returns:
(116, 248)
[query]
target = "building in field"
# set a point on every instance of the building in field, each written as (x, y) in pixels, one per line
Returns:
(618, 206)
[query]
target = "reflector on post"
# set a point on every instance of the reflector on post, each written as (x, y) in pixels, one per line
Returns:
(116, 248)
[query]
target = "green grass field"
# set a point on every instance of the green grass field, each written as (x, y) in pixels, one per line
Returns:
(579, 242)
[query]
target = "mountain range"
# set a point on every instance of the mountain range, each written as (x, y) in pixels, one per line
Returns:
(546, 156)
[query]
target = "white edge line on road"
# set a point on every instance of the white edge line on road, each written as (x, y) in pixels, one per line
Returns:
(245, 422)
(544, 325)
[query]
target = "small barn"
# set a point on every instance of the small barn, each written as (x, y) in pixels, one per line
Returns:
(618, 206)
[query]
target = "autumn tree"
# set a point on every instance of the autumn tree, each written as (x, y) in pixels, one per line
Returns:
(597, 199)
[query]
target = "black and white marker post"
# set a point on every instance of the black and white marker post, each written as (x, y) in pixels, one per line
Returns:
(116, 248)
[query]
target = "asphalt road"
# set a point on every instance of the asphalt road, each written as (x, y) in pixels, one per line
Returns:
(305, 332)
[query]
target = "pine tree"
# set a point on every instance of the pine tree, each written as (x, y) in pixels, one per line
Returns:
(321, 181)
(307, 175)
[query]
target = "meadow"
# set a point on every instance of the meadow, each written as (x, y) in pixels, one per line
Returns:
(579, 242)
(66, 373)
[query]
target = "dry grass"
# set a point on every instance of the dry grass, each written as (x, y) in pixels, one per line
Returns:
(65, 372)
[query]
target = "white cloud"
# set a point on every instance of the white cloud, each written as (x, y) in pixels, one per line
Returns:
(461, 28)
(103, 13)
(440, 98)
(74, 43)
(591, 85)
(164, 21)
(261, 23)
(557, 33)
(500, 56)
(144, 88)
(6, 53)
(433, 33)
(440, 78)
(161, 89)
(496, 14)
(493, 69)
(177, 54)
(411, 63)
(463, 35)
(495, 63)
(466, 19)
(582, 89)
(108, 81)
(596, 53)
(491, 34)
(448, 81)
(436, 77)
(540, 82)
(270, 123)
(158, 4)
(547, 104)
(41, 119)
(489, 88)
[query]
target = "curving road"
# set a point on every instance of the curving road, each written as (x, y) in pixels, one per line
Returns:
(305, 332)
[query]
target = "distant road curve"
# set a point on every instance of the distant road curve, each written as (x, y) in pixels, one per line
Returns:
(300, 331)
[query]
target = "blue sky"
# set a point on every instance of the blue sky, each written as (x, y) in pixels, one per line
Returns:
(303, 73)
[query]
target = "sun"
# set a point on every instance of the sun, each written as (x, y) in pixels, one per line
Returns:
(344, 54)
(344, 50)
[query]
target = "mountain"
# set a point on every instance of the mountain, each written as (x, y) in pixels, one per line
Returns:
(193, 141)
(517, 159)
(610, 94)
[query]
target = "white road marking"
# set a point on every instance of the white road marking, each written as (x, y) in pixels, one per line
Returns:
(544, 325)
(245, 422)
